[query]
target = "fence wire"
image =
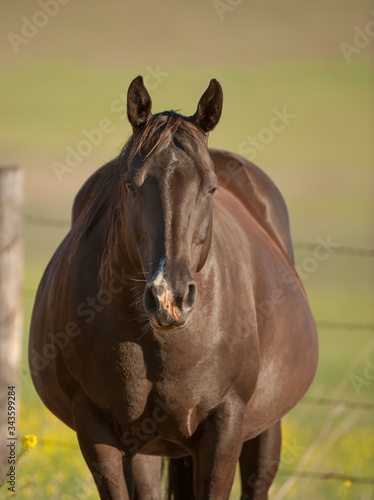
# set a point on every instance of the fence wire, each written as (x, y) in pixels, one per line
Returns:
(321, 324)
(326, 476)
(36, 220)
(341, 250)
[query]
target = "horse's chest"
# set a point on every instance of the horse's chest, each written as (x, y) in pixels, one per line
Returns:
(169, 388)
(160, 391)
(166, 413)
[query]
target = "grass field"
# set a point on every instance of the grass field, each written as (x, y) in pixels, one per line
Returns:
(265, 57)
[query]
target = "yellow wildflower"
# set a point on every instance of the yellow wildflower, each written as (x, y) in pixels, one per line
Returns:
(29, 441)
(347, 483)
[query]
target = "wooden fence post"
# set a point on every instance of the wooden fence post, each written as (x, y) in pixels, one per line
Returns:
(11, 270)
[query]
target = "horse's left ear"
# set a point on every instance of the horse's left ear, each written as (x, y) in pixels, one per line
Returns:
(210, 107)
(139, 103)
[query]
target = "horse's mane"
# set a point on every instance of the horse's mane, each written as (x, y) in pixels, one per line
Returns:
(108, 192)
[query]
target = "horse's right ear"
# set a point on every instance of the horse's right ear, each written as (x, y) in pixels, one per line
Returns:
(139, 103)
(209, 108)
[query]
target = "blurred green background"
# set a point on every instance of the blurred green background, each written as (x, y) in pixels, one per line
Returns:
(64, 71)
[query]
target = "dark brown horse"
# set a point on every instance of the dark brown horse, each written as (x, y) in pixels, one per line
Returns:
(170, 321)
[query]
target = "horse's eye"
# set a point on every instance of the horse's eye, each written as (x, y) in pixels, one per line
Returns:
(130, 187)
(212, 191)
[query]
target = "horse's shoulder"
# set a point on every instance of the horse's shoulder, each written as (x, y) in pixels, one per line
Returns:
(85, 193)
(257, 192)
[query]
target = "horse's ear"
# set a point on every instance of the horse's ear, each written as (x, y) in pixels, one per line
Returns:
(210, 107)
(139, 103)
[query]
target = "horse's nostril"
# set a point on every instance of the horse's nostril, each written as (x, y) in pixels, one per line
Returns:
(150, 299)
(190, 297)
(168, 307)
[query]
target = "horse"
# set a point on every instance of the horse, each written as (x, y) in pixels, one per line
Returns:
(171, 322)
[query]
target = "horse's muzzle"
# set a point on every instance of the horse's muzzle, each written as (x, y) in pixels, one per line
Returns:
(167, 309)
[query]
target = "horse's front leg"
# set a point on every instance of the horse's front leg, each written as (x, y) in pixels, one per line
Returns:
(218, 452)
(100, 450)
(259, 462)
(147, 477)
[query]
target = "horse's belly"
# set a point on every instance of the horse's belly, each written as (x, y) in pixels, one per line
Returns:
(283, 379)
(162, 447)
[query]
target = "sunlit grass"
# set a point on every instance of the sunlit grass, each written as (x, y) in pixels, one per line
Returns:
(55, 469)
(326, 183)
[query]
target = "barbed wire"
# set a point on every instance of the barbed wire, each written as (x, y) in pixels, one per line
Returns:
(342, 325)
(341, 250)
(302, 245)
(36, 220)
(325, 476)
(337, 402)
(322, 324)
(338, 476)
(28, 293)
(319, 401)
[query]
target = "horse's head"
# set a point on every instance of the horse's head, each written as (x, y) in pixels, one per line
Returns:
(170, 182)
